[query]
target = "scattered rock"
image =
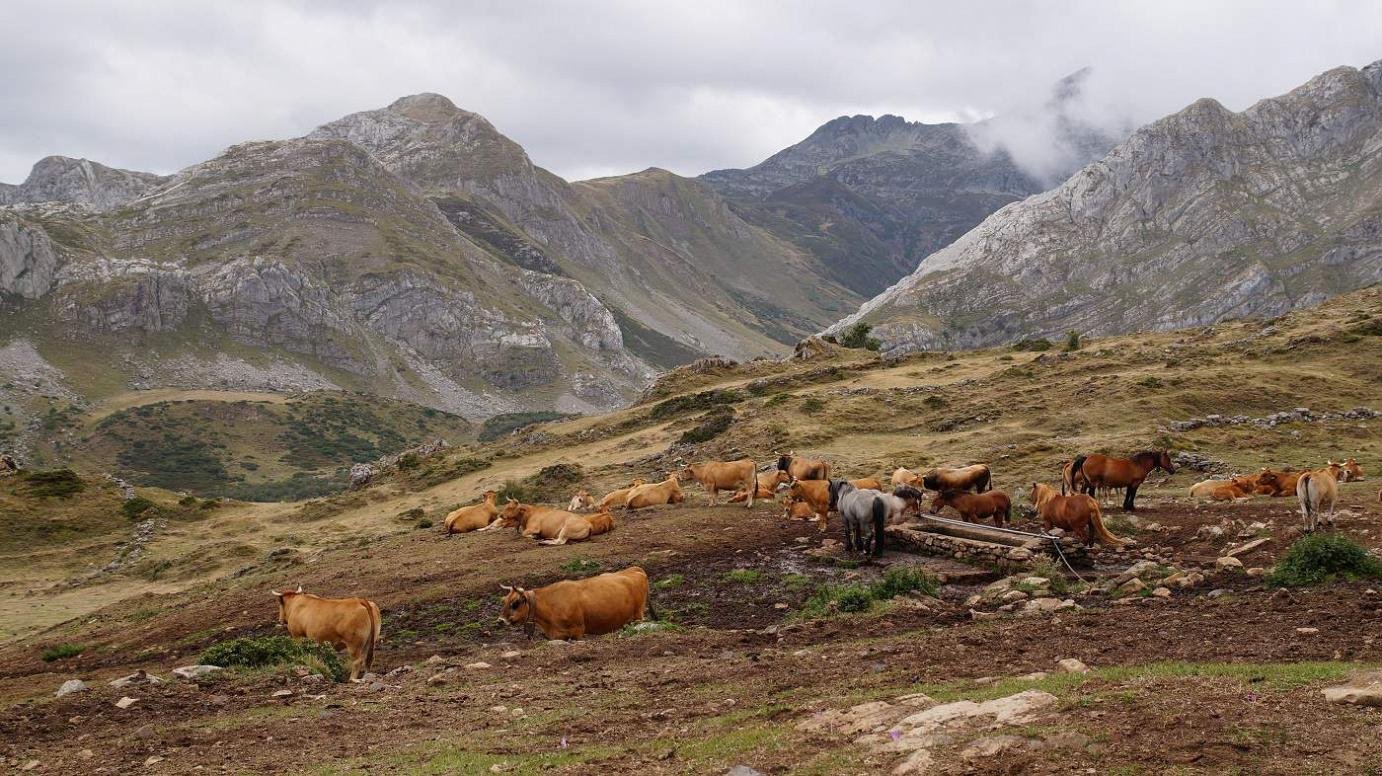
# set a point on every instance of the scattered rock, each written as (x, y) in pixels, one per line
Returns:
(138, 677)
(193, 672)
(1131, 587)
(512, 654)
(1249, 547)
(70, 686)
(1217, 593)
(1072, 665)
(1370, 695)
(743, 770)
(478, 665)
(1228, 562)
(282, 694)
(152, 760)
(1307, 631)
(1162, 592)
(126, 702)
(1256, 571)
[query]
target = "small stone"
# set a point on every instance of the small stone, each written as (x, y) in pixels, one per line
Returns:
(193, 672)
(153, 760)
(30, 765)
(478, 665)
(70, 686)
(1256, 571)
(1228, 562)
(1307, 631)
(439, 678)
(1072, 665)
(1014, 595)
(86, 754)
(126, 702)
(512, 654)
(282, 694)
(1218, 593)
(1162, 592)
(1036, 582)
(1358, 696)
(1132, 586)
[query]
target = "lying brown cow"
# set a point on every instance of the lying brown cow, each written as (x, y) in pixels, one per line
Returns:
(905, 476)
(1276, 483)
(1350, 471)
(768, 483)
(803, 468)
(1224, 490)
(581, 502)
(817, 494)
(716, 476)
(476, 517)
(351, 624)
(798, 510)
(575, 608)
(666, 492)
(550, 525)
(617, 498)
(976, 477)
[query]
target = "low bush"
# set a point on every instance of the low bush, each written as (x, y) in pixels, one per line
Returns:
(901, 580)
(509, 422)
(1072, 341)
(1323, 558)
(266, 651)
(711, 425)
(137, 506)
(858, 597)
(1033, 344)
(811, 405)
(54, 483)
(62, 651)
(580, 566)
(857, 336)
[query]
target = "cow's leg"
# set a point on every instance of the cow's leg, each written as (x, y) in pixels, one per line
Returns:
(714, 492)
(752, 488)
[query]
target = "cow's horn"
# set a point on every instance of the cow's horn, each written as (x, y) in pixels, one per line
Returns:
(506, 588)
(299, 588)
(275, 593)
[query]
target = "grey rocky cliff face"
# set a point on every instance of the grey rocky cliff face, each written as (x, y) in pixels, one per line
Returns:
(1202, 215)
(79, 182)
(28, 261)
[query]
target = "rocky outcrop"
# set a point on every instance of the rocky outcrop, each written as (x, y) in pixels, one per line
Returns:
(28, 261)
(79, 182)
(1200, 216)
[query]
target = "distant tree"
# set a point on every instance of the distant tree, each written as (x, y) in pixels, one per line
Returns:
(857, 336)
(1072, 340)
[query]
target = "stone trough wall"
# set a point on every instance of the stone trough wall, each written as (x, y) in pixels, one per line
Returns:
(914, 538)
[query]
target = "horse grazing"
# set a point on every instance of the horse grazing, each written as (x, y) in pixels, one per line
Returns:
(617, 498)
(977, 478)
(1100, 471)
(581, 502)
(1078, 514)
(860, 510)
(1317, 492)
(974, 507)
(803, 468)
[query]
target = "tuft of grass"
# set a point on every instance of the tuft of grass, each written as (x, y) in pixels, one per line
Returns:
(62, 651)
(1035, 344)
(670, 581)
(811, 405)
(580, 566)
(710, 425)
(1319, 558)
(267, 651)
(137, 506)
(858, 597)
(54, 483)
(902, 580)
(1072, 341)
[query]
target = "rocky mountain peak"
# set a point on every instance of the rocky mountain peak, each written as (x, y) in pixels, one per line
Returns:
(428, 108)
(79, 182)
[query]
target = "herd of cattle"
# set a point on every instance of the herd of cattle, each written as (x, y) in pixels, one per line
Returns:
(572, 609)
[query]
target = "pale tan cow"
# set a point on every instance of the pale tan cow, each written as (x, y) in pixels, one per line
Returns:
(550, 525)
(575, 608)
(1317, 491)
(716, 476)
(351, 624)
(476, 517)
(617, 498)
(666, 492)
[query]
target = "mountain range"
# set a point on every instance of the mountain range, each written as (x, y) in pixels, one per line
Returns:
(416, 252)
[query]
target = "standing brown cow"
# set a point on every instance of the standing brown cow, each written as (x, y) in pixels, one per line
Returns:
(351, 624)
(803, 468)
(575, 608)
(716, 476)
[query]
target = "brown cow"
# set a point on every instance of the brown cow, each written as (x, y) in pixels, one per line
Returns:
(1276, 483)
(867, 483)
(1350, 471)
(575, 608)
(768, 483)
(617, 498)
(581, 502)
(1224, 490)
(817, 494)
(1078, 514)
(666, 492)
(905, 476)
(797, 509)
(351, 624)
(1317, 491)
(550, 525)
(476, 517)
(974, 507)
(976, 477)
(716, 476)
(803, 468)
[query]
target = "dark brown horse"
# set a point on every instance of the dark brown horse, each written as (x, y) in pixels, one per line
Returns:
(803, 468)
(1100, 471)
(974, 507)
(977, 478)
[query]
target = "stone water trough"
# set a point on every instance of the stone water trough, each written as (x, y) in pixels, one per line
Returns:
(980, 544)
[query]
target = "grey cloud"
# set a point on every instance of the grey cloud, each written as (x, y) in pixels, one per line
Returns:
(614, 87)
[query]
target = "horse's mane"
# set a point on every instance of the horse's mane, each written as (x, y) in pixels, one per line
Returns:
(1153, 455)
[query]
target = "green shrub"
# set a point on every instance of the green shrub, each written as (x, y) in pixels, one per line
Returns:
(705, 400)
(267, 651)
(1072, 341)
(509, 422)
(901, 580)
(744, 576)
(711, 425)
(1033, 344)
(62, 651)
(670, 581)
(857, 336)
(580, 566)
(137, 506)
(54, 483)
(854, 598)
(811, 405)
(187, 501)
(1322, 558)
(424, 523)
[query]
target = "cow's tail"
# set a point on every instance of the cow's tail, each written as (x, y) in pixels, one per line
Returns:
(1303, 487)
(373, 635)
(648, 602)
(1096, 526)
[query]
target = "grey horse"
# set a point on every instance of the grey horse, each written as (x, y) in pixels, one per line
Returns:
(859, 509)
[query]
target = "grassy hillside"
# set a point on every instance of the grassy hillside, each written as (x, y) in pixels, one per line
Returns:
(257, 449)
(746, 595)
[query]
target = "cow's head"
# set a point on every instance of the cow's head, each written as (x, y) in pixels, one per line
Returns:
(516, 608)
(511, 512)
(780, 480)
(282, 602)
(489, 496)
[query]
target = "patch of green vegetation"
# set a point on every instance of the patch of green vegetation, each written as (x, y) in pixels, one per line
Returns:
(710, 425)
(504, 424)
(695, 402)
(579, 565)
(795, 581)
(62, 651)
(1033, 344)
(54, 483)
(137, 506)
(265, 651)
(857, 336)
(670, 581)
(811, 405)
(1319, 558)
(299, 487)
(744, 576)
(1072, 341)
(858, 597)
(550, 484)
(1150, 382)
(1371, 327)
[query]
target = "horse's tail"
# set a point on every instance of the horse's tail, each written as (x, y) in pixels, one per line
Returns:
(880, 516)
(985, 482)
(1096, 526)
(1077, 470)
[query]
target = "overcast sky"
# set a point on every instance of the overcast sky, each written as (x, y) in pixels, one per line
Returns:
(596, 87)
